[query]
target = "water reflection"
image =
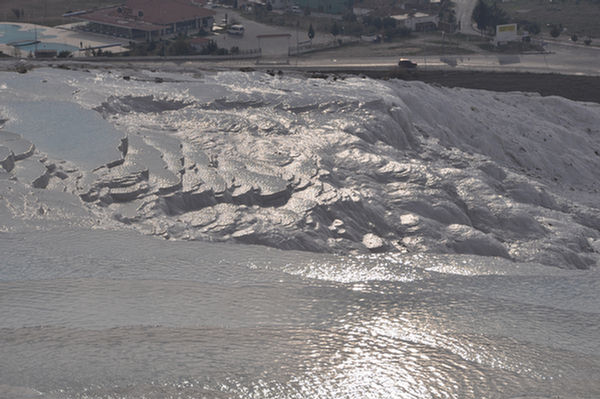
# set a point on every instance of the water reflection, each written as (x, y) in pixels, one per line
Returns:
(207, 325)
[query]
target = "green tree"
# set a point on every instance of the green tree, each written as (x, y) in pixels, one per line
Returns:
(311, 32)
(180, 46)
(389, 27)
(210, 48)
(388, 23)
(349, 16)
(555, 30)
(499, 16)
(377, 23)
(481, 15)
(532, 27)
(335, 29)
(488, 16)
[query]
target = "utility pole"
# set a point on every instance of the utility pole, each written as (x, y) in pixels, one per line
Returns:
(443, 43)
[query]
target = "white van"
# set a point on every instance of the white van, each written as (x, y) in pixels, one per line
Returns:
(236, 29)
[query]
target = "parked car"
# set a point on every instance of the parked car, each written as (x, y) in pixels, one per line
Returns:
(406, 63)
(236, 29)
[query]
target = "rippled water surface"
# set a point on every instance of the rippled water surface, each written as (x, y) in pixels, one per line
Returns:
(95, 314)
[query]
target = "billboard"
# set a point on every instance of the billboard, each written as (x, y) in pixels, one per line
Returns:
(506, 33)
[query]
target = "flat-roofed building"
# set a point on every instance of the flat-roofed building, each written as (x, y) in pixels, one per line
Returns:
(325, 6)
(418, 21)
(148, 19)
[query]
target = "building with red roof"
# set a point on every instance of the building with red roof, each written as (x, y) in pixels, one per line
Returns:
(148, 19)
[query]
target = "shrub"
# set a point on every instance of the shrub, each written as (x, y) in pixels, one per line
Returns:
(349, 16)
(311, 32)
(532, 27)
(210, 48)
(335, 29)
(180, 46)
(21, 68)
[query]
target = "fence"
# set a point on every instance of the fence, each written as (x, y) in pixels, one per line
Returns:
(309, 47)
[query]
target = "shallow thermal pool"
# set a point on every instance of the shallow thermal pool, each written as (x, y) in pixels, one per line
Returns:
(96, 314)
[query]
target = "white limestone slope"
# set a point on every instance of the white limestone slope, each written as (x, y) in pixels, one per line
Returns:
(322, 165)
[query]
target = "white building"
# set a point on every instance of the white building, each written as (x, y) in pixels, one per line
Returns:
(418, 21)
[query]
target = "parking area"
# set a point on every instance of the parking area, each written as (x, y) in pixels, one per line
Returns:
(259, 35)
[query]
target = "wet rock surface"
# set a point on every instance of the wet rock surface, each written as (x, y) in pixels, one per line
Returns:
(7, 159)
(13, 142)
(32, 172)
(143, 104)
(354, 165)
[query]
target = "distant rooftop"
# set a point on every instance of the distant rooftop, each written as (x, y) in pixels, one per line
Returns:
(199, 40)
(402, 17)
(147, 15)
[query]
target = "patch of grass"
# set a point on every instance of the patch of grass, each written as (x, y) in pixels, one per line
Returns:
(468, 38)
(511, 48)
(437, 50)
(577, 16)
(299, 21)
(400, 47)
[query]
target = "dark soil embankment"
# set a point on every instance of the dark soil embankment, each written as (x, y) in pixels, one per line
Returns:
(578, 88)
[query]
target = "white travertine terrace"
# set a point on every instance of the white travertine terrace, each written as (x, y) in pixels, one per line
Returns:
(315, 164)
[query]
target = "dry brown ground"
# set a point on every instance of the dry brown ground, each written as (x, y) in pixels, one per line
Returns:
(578, 88)
(422, 44)
(46, 12)
(577, 16)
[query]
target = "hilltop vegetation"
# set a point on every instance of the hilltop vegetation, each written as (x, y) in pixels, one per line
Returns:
(575, 16)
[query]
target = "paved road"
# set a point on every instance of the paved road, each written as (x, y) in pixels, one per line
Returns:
(464, 11)
(559, 59)
(565, 60)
